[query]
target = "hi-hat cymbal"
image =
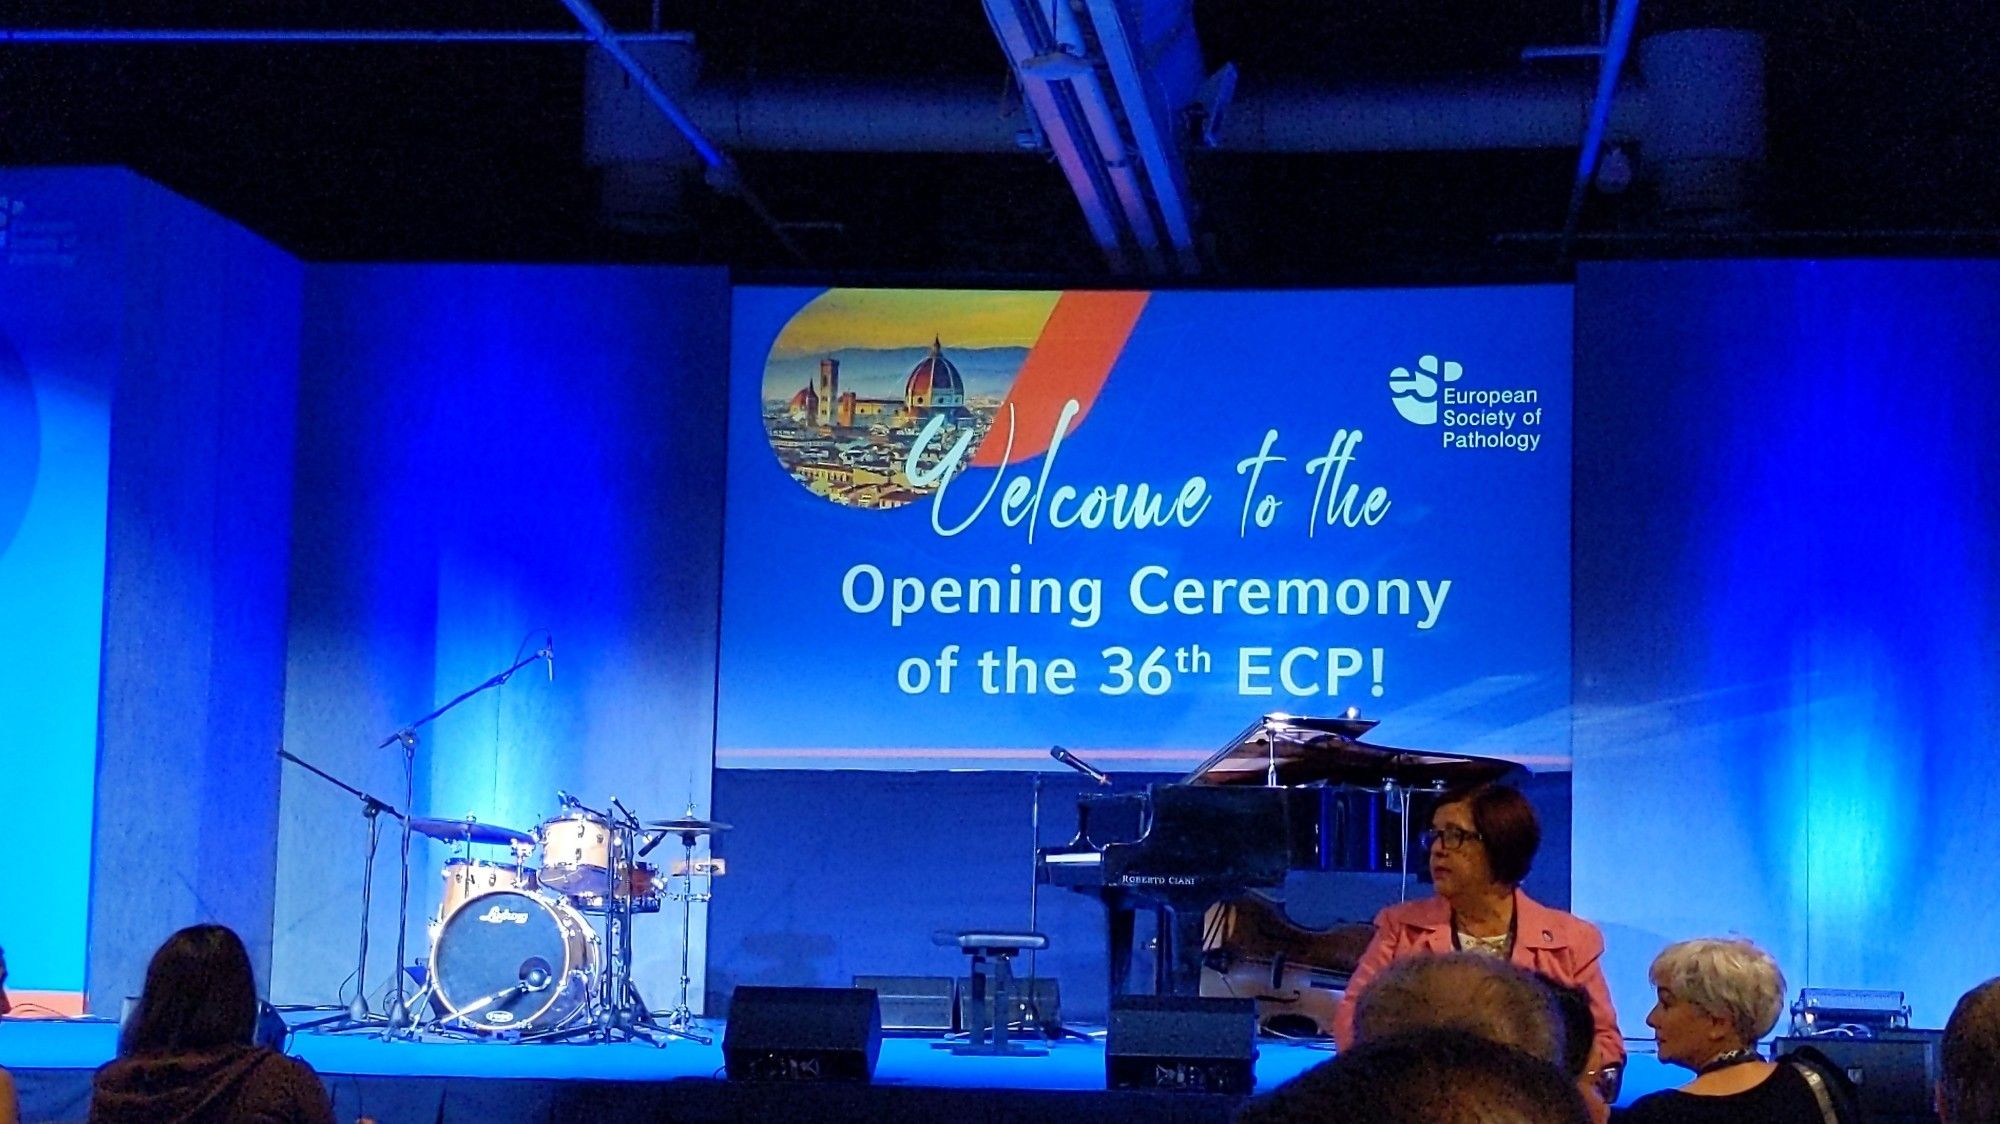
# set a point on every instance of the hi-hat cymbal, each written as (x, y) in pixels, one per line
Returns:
(687, 825)
(467, 831)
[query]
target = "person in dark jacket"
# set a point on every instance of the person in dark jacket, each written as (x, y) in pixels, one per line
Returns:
(188, 1054)
(1717, 997)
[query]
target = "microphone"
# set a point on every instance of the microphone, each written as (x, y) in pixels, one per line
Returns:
(1080, 765)
(565, 799)
(626, 812)
(548, 654)
(534, 976)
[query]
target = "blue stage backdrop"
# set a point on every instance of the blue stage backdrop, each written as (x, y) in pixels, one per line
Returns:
(242, 499)
(144, 524)
(489, 457)
(964, 526)
(195, 589)
(1787, 515)
(61, 308)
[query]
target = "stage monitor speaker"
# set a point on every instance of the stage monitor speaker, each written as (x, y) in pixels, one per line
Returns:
(1181, 1042)
(913, 1003)
(802, 1034)
(1893, 1074)
(1044, 1013)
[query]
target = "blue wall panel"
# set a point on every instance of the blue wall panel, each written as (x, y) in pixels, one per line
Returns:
(62, 288)
(1787, 513)
(486, 455)
(197, 566)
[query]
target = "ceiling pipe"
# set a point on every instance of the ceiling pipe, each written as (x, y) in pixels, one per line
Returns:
(835, 116)
(855, 117)
(1435, 116)
(1101, 122)
(722, 170)
(1616, 42)
(199, 35)
(1024, 39)
(1704, 147)
(1151, 125)
(1068, 67)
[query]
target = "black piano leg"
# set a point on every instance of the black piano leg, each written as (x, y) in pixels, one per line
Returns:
(1180, 951)
(1121, 951)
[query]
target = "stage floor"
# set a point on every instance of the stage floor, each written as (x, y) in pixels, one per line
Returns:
(52, 1062)
(1074, 1065)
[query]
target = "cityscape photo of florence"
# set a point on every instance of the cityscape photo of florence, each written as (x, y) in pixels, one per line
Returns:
(857, 377)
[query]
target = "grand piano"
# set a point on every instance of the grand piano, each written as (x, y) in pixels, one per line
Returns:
(1288, 793)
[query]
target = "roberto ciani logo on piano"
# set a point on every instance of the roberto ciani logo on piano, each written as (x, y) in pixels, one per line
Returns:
(495, 915)
(1158, 880)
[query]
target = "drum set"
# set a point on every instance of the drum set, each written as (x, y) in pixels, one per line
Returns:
(516, 950)
(536, 946)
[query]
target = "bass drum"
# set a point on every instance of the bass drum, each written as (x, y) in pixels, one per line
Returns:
(510, 962)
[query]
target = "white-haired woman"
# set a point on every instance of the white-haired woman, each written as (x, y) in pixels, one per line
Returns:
(1716, 998)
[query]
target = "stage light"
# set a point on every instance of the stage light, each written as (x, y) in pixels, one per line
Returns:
(1849, 1011)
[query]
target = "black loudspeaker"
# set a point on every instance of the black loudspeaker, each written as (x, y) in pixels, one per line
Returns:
(802, 1034)
(913, 1003)
(1894, 1074)
(1182, 1042)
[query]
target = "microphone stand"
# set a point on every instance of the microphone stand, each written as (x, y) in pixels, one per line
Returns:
(357, 1015)
(1031, 1000)
(399, 1015)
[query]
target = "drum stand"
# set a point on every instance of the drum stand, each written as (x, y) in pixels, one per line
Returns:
(356, 1016)
(622, 1014)
(404, 1019)
(682, 1016)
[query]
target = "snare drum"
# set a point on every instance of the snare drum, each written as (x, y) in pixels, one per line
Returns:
(644, 885)
(467, 878)
(576, 853)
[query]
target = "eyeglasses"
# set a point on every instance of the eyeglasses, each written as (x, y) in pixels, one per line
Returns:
(1450, 838)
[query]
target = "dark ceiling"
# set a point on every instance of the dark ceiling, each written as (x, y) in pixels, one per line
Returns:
(1883, 115)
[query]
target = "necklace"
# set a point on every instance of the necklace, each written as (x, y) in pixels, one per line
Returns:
(1502, 943)
(1725, 1060)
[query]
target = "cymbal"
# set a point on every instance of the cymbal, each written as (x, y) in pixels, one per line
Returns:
(687, 825)
(467, 831)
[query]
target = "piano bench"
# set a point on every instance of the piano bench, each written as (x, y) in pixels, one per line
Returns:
(990, 942)
(991, 1000)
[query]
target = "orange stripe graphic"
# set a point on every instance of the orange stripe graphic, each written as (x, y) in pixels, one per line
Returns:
(1072, 357)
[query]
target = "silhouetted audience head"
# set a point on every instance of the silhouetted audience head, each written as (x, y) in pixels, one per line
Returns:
(1579, 1026)
(199, 995)
(1969, 1086)
(1424, 1077)
(6, 1005)
(1468, 992)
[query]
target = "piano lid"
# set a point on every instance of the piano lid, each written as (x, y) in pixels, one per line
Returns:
(1329, 751)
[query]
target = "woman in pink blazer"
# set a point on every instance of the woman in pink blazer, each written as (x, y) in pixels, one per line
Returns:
(1481, 843)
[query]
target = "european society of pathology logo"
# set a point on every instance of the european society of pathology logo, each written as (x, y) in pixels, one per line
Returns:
(1480, 418)
(1415, 393)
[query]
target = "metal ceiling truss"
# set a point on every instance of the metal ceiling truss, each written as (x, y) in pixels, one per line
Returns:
(1108, 126)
